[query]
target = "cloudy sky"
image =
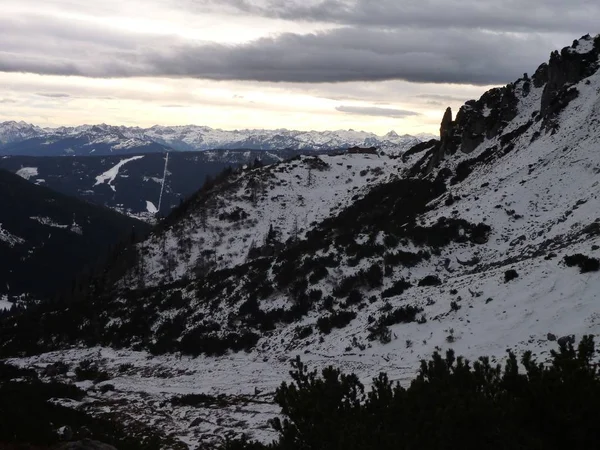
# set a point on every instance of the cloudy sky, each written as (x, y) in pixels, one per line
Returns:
(374, 65)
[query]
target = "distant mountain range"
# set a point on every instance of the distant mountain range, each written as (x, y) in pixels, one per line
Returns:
(20, 138)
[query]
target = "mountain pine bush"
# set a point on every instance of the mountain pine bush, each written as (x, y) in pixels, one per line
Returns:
(451, 404)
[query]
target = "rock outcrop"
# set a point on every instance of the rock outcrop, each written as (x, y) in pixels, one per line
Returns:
(486, 118)
(570, 66)
(448, 141)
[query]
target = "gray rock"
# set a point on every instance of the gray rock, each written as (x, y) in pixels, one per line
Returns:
(551, 337)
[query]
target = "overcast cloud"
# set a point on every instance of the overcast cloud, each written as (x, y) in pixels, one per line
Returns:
(339, 55)
(529, 16)
(376, 111)
(308, 47)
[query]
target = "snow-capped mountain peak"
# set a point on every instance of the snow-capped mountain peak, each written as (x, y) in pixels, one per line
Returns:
(190, 138)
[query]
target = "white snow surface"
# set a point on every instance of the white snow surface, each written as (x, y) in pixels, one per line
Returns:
(27, 172)
(585, 45)
(109, 176)
(4, 303)
(150, 207)
(288, 196)
(48, 222)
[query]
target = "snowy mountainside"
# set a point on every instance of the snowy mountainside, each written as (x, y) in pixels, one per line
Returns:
(19, 138)
(283, 200)
(78, 141)
(485, 240)
(137, 187)
(12, 131)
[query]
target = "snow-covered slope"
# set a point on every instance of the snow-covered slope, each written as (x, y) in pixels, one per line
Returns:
(460, 243)
(286, 199)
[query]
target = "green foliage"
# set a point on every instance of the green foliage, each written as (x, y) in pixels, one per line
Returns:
(430, 280)
(87, 370)
(371, 278)
(397, 289)
(380, 329)
(200, 400)
(585, 263)
(451, 404)
(510, 275)
(338, 319)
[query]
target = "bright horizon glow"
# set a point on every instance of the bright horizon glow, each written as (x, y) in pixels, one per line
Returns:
(52, 101)
(131, 43)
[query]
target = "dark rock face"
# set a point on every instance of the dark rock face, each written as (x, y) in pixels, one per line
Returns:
(477, 120)
(487, 118)
(540, 77)
(448, 141)
(446, 126)
(566, 68)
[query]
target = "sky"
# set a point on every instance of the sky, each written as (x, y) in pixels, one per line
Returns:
(373, 65)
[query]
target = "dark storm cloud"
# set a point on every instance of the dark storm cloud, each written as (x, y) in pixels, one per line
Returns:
(350, 54)
(498, 15)
(343, 54)
(375, 111)
(44, 45)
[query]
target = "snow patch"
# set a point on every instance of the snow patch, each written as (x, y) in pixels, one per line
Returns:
(27, 172)
(109, 176)
(48, 222)
(4, 303)
(76, 228)
(585, 45)
(150, 207)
